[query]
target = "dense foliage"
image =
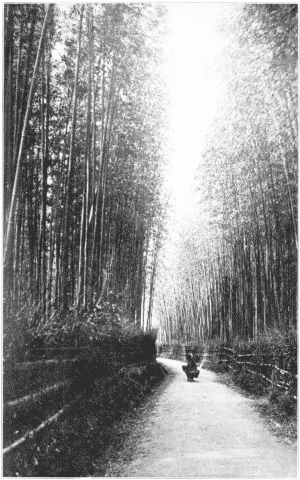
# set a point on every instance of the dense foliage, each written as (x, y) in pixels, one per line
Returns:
(84, 111)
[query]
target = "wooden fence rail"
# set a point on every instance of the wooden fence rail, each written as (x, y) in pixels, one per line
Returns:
(274, 379)
(37, 393)
(48, 386)
(19, 402)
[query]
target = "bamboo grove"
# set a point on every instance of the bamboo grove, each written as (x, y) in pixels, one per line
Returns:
(83, 109)
(236, 277)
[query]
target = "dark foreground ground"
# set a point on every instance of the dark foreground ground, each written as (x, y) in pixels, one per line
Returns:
(202, 429)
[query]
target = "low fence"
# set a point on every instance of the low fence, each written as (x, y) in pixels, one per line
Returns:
(38, 393)
(259, 365)
(256, 365)
(35, 395)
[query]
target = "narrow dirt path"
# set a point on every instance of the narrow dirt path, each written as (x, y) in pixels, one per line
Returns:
(203, 429)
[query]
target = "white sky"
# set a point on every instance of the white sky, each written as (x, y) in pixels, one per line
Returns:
(194, 49)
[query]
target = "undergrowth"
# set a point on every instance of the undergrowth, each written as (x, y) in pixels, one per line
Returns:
(71, 446)
(99, 328)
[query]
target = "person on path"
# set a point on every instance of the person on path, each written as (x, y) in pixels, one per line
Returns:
(190, 369)
(191, 362)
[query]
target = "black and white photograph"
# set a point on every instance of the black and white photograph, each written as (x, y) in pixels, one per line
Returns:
(150, 240)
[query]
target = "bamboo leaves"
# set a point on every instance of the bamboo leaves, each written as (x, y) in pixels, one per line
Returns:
(86, 203)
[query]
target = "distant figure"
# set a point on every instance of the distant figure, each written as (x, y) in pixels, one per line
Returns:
(190, 369)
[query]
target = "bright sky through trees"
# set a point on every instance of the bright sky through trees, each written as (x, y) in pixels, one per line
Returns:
(193, 48)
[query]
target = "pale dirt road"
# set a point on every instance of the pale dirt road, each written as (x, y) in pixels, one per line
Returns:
(203, 429)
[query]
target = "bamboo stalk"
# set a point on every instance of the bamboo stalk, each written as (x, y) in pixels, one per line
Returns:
(66, 220)
(87, 168)
(28, 109)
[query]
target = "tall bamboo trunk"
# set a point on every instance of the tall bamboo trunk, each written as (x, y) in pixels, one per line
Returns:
(8, 145)
(68, 198)
(9, 233)
(87, 164)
